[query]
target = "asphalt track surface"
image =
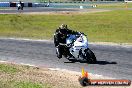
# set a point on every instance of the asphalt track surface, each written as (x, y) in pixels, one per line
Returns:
(13, 10)
(113, 61)
(40, 10)
(37, 9)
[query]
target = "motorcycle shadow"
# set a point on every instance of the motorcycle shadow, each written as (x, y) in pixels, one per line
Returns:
(105, 62)
(97, 62)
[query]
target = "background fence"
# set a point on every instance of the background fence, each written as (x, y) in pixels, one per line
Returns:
(57, 0)
(54, 3)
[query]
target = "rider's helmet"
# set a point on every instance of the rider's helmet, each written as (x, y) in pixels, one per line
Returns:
(63, 26)
(63, 30)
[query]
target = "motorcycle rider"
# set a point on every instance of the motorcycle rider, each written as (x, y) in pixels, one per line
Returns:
(60, 36)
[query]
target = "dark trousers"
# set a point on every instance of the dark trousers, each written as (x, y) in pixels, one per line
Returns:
(62, 50)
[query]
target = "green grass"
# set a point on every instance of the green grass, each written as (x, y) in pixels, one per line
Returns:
(22, 84)
(27, 85)
(113, 26)
(114, 5)
(2, 8)
(9, 80)
(8, 69)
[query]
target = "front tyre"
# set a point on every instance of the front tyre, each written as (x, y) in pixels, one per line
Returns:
(90, 57)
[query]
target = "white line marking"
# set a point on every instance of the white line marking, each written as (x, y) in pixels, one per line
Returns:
(28, 64)
(3, 61)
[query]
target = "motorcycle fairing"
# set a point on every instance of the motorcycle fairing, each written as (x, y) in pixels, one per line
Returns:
(80, 44)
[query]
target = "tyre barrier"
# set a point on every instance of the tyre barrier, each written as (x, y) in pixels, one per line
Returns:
(13, 4)
(30, 5)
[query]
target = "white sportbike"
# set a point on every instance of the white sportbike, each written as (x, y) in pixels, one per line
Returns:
(78, 48)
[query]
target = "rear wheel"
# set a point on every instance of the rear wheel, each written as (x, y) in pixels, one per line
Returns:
(90, 56)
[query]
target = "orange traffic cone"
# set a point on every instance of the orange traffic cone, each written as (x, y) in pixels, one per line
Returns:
(84, 74)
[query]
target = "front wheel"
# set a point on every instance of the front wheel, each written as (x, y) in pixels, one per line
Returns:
(90, 56)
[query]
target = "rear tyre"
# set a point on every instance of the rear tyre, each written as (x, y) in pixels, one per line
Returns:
(90, 56)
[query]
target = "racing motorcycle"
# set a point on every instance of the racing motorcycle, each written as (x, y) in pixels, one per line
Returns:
(19, 6)
(76, 47)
